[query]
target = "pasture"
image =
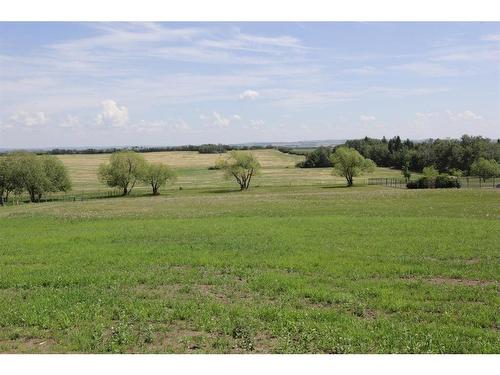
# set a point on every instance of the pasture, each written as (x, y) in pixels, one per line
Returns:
(192, 167)
(297, 264)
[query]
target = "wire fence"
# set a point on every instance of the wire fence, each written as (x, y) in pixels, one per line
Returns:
(465, 182)
(398, 183)
(73, 196)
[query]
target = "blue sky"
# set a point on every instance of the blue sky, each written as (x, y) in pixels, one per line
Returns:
(98, 84)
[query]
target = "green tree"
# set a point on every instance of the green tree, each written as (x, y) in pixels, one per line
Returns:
(125, 168)
(240, 165)
(37, 174)
(57, 178)
(406, 172)
(485, 168)
(157, 175)
(8, 182)
(455, 172)
(430, 172)
(318, 158)
(348, 163)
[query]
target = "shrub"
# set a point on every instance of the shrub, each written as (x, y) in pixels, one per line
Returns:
(319, 158)
(439, 182)
(446, 182)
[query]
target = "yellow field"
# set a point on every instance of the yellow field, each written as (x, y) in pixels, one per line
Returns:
(278, 169)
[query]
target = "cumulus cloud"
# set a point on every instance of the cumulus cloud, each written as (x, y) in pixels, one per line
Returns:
(465, 115)
(26, 119)
(218, 120)
(112, 114)
(249, 95)
(367, 118)
(70, 121)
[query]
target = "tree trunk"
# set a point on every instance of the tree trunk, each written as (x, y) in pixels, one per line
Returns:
(349, 180)
(125, 191)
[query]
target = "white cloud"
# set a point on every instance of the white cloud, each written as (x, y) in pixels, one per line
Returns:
(364, 70)
(367, 118)
(447, 116)
(26, 119)
(112, 114)
(70, 122)
(427, 69)
(491, 37)
(249, 95)
(218, 120)
(465, 115)
(255, 125)
(172, 126)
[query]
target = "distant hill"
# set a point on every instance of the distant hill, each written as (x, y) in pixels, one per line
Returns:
(295, 144)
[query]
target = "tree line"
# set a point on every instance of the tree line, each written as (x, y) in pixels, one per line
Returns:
(468, 155)
(24, 172)
(208, 148)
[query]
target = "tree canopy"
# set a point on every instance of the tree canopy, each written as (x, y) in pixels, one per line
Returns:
(446, 155)
(485, 168)
(349, 163)
(157, 175)
(241, 166)
(37, 175)
(124, 169)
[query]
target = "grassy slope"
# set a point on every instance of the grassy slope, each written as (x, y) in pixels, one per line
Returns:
(275, 269)
(192, 168)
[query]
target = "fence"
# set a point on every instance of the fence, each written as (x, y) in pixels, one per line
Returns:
(72, 196)
(476, 182)
(465, 182)
(399, 183)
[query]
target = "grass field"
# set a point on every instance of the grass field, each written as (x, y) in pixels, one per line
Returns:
(192, 168)
(308, 268)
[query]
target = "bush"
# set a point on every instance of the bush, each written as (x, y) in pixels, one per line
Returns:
(212, 149)
(439, 182)
(446, 182)
(319, 158)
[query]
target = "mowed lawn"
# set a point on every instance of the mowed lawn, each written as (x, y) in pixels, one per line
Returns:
(303, 269)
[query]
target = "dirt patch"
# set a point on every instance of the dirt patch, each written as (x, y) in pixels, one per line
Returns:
(451, 281)
(475, 260)
(27, 345)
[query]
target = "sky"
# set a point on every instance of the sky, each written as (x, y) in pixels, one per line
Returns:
(116, 84)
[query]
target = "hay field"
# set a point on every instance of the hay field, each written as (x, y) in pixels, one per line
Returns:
(278, 169)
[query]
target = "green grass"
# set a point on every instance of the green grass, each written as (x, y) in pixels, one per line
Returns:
(192, 167)
(277, 269)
